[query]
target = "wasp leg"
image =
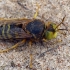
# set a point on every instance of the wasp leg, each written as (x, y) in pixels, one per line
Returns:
(31, 58)
(36, 13)
(16, 45)
(58, 41)
(44, 40)
(8, 19)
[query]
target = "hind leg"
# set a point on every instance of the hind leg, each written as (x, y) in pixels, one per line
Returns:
(13, 47)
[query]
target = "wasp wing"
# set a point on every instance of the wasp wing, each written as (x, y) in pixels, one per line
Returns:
(14, 31)
(14, 20)
(13, 28)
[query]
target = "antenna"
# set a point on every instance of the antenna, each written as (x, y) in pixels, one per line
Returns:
(62, 23)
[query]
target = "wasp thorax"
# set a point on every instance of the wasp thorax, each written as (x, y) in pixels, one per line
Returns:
(36, 28)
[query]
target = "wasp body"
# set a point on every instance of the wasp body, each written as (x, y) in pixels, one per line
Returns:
(32, 29)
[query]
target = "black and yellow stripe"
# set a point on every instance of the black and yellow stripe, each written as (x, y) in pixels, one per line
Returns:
(5, 31)
(10, 31)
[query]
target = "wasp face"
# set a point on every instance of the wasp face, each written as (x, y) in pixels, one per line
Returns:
(50, 31)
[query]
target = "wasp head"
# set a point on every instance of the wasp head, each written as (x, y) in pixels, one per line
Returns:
(50, 31)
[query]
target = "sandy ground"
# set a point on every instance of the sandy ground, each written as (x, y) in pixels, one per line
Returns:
(50, 10)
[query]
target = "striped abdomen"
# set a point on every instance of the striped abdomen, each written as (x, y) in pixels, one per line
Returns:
(12, 31)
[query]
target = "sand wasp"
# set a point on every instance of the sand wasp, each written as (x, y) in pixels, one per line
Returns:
(27, 29)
